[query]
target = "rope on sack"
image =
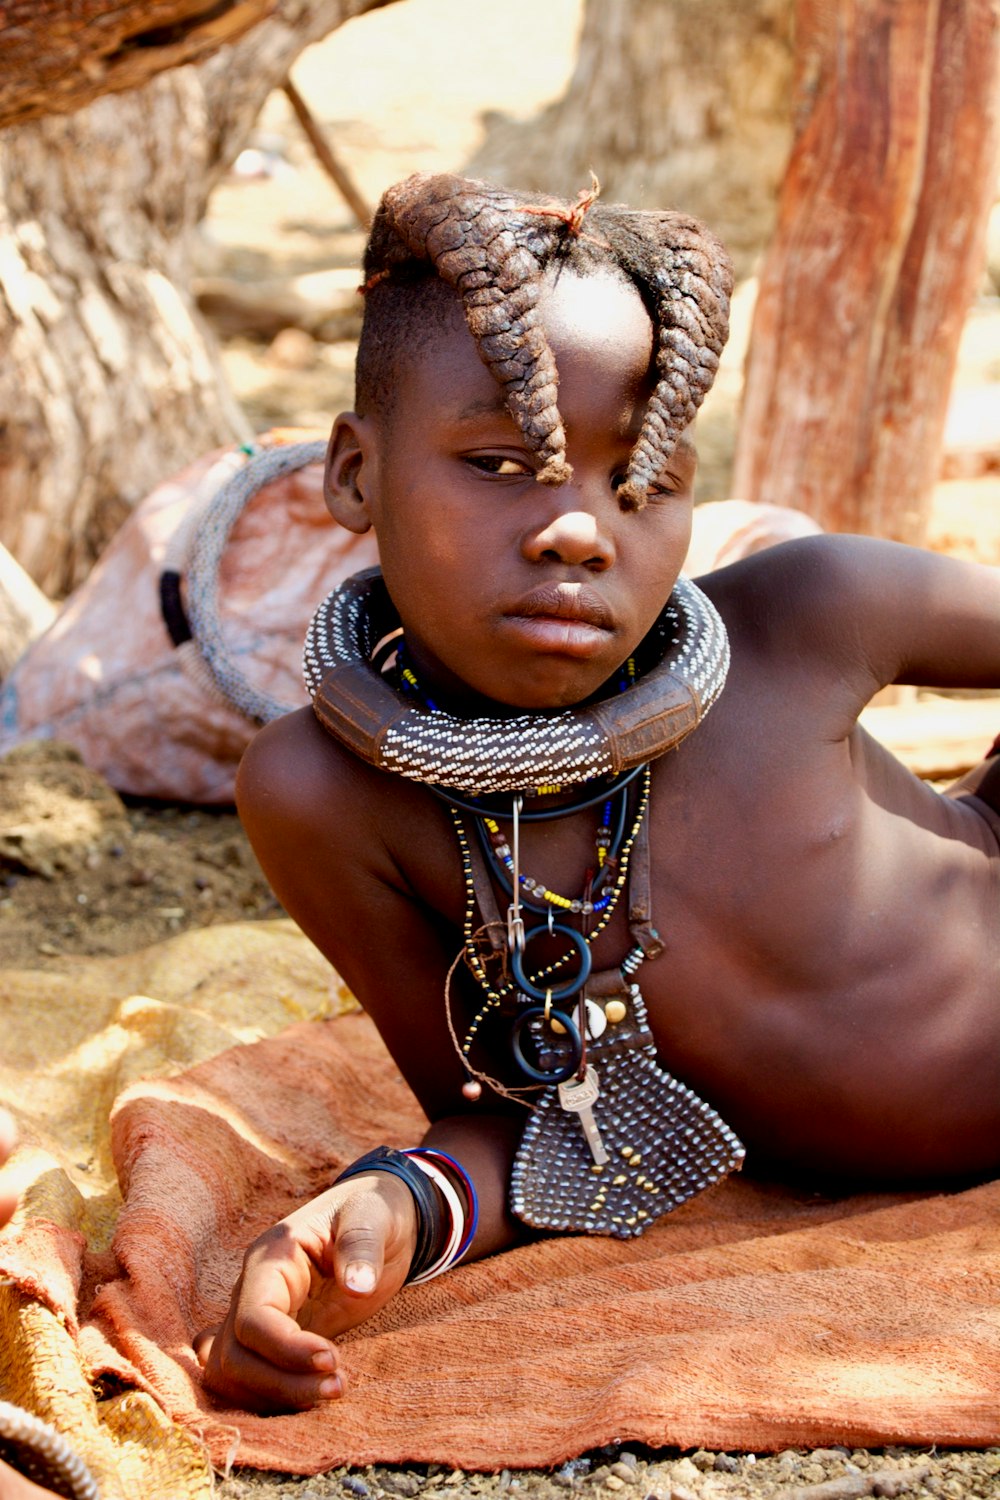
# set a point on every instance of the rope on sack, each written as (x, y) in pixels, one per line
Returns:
(41, 1454)
(196, 555)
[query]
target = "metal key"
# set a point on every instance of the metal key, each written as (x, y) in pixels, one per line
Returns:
(577, 1095)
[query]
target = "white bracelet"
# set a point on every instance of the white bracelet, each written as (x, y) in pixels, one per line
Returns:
(455, 1208)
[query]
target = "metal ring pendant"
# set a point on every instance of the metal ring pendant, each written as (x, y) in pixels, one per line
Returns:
(541, 1075)
(554, 993)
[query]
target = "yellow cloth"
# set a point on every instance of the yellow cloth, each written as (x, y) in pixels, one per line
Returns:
(72, 1040)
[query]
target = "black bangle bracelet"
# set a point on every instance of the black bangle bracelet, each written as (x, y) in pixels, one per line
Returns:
(430, 1220)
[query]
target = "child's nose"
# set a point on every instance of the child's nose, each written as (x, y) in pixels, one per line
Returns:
(570, 534)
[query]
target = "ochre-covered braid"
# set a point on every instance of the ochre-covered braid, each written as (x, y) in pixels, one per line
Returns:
(494, 247)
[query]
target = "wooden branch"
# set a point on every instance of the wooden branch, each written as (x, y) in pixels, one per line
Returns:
(24, 611)
(877, 255)
(323, 303)
(58, 57)
(328, 160)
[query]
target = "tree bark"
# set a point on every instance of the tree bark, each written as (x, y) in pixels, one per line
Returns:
(109, 377)
(56, 58)
(673, 103)
(877, 254)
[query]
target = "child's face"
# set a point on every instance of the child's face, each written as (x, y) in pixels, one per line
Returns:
(521, 593)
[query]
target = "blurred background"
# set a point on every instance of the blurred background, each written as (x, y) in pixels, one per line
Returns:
(180, 265)
(184, 187)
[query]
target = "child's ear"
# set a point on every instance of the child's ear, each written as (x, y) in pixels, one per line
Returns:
(349, 474)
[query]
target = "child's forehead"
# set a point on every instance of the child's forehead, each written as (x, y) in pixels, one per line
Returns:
(583, 314)
(599, 308)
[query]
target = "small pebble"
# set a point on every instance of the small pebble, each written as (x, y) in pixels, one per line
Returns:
(355, 1486)
(725, 1463)
(407, 1485)
(703, 1460)
(613, 1482)
(564, 1481)
(685, 1471)
(625, 1471)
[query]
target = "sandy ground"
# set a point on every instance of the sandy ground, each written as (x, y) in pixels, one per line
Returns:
(151, 870)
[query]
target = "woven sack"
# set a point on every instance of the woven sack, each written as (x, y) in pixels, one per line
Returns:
(146, 711)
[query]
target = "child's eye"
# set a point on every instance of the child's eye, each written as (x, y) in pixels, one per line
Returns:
(497, 463)
(660, 488)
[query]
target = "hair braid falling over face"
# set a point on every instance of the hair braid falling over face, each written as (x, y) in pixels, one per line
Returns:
(494, 247)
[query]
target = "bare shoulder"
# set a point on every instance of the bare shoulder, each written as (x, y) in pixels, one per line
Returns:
(869, 610)
(811, 578)
(307, 803)
(324, 823)
(295, 775)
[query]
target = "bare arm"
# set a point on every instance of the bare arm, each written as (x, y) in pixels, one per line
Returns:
(876, 612)
(327, 830)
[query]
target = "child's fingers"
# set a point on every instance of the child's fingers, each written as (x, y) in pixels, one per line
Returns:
(8, 1187)
(8, 1135)
(242, 1377)
(8, 1200)
(278, 1339)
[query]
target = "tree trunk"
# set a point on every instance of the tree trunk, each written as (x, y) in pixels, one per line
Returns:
(109, 378)
(877, 254)
(673, 103)
(56, 58)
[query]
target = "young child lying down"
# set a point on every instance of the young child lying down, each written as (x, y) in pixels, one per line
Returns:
(584, 837)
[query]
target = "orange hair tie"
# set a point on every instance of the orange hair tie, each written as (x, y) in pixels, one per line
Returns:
(572, 217)
(373, 281)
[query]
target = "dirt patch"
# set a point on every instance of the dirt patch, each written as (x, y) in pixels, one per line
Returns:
(624, 1471)
(82, 872)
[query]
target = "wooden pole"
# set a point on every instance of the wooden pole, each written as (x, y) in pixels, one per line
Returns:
(330, 163)
(876, 257)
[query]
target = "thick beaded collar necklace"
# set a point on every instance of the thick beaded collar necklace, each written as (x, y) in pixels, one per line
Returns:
(483, 756)
(579, 1036)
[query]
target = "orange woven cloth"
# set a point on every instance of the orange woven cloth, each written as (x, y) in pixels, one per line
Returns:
(752, 1318)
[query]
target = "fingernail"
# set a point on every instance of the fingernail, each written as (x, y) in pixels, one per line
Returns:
(360, 1277)
(331, 1389)
(322, 1359)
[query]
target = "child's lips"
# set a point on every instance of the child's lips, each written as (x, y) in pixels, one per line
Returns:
(565, 617)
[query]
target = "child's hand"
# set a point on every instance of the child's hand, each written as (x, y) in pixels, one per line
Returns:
(8, 1188)
(322, 1270)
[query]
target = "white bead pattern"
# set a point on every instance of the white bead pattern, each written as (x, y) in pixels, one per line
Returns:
(482, 755)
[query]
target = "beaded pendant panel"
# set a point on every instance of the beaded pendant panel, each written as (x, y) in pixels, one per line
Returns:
(664, 1144)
